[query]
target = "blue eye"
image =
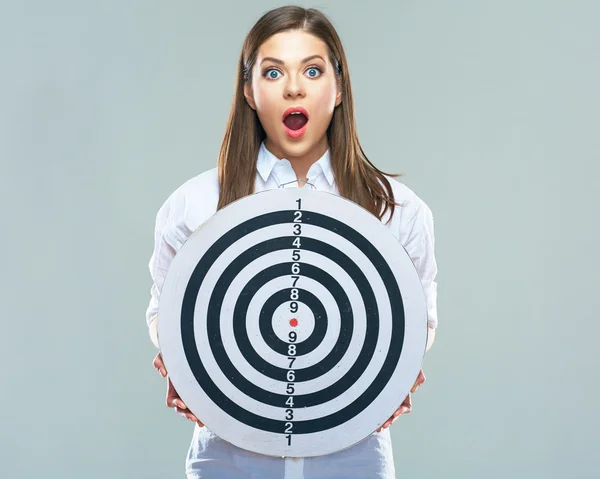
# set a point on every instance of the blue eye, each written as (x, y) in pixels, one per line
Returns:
(272, 74)
(314, 72)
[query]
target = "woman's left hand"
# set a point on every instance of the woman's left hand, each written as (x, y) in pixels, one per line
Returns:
(406, 406)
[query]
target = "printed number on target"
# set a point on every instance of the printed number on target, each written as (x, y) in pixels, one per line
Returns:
(292, 323)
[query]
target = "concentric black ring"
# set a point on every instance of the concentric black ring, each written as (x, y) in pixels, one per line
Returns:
(241, 332)
(240, 381)
(268, 334)
(313, 425)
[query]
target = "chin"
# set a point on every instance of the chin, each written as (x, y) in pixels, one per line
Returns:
(298, 147)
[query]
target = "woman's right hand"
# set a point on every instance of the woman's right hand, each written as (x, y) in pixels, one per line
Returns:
(173, 399)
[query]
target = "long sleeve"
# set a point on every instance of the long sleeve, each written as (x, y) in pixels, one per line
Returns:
(192, 203)
(420, 247)
(162, 255)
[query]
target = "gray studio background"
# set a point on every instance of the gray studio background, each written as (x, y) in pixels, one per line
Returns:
(489, 108)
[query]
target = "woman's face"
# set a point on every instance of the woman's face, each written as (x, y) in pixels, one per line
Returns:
(292, 69)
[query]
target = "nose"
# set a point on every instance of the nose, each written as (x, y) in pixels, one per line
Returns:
(294, 88)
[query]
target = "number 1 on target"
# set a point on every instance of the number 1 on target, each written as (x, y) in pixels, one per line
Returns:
(292, 336)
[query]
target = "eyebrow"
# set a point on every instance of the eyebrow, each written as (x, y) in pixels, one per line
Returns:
(281, 62)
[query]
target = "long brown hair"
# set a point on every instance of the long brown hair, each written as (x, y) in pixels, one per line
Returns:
(356, 177)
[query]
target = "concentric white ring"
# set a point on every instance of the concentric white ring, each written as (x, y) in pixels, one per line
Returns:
(230, 409)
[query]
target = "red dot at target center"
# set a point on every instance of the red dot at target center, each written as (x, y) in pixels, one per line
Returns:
(293, 322)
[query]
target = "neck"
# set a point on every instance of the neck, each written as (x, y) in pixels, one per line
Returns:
(302, 163)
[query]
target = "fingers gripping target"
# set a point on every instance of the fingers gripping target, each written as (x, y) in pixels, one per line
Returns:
(292, 323)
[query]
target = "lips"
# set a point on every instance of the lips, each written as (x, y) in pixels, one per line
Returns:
(295, 120)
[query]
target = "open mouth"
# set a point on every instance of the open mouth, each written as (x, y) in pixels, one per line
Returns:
(295, 120)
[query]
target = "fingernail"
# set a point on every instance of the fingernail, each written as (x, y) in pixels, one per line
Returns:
(181, 405)
(163, 373)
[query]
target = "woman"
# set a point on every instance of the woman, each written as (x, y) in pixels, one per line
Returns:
(291, 122)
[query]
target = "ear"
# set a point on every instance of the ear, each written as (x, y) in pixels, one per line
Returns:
(338, 96)
(249, 96)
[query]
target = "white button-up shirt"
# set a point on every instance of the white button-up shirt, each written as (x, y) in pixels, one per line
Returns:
(193, 203)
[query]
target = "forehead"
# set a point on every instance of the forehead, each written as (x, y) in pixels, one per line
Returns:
(292, 46)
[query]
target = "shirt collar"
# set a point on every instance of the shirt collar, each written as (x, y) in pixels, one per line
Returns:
(266, 162)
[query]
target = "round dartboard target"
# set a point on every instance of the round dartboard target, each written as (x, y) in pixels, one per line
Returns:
(292, 323)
